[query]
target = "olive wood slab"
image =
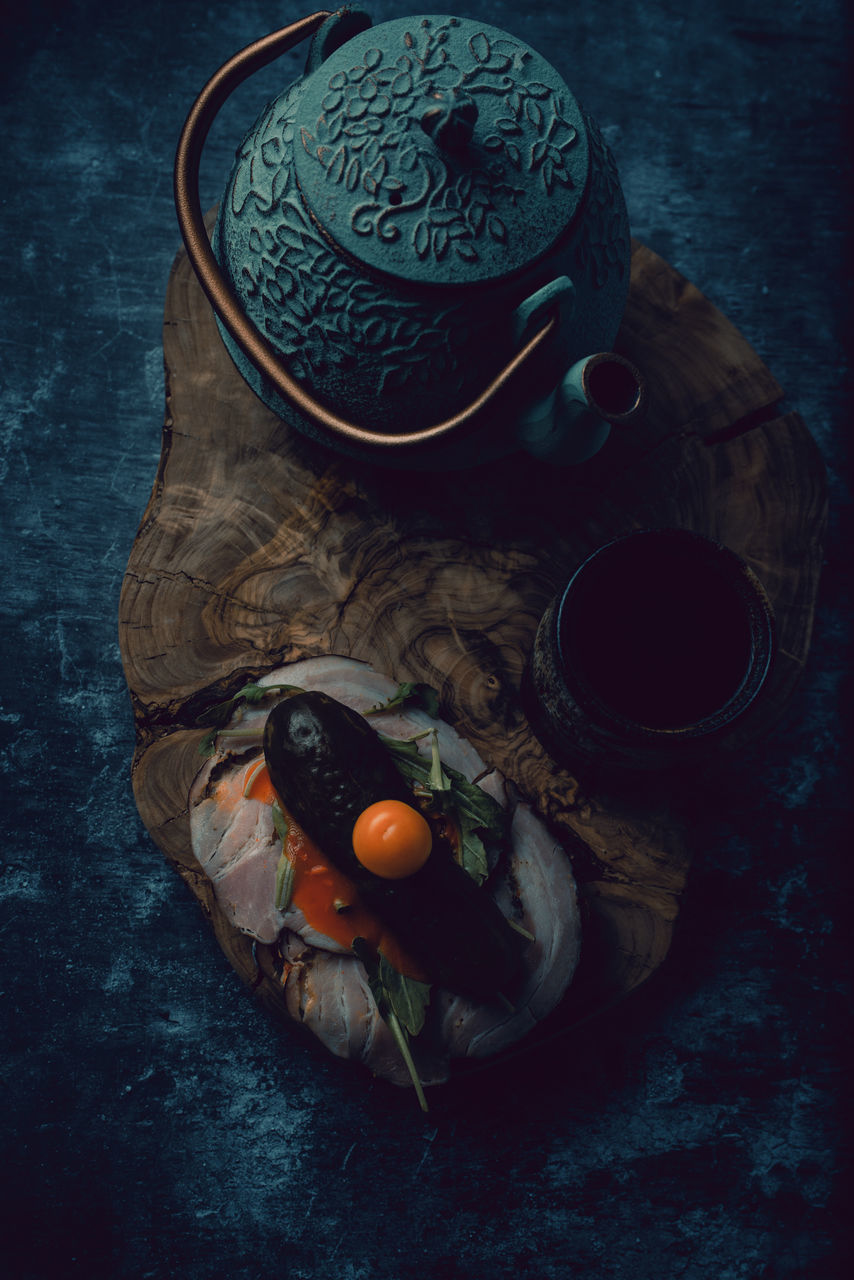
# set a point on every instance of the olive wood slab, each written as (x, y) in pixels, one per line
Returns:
(258, 548)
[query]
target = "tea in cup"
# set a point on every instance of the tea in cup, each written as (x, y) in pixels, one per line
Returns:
(652, 653)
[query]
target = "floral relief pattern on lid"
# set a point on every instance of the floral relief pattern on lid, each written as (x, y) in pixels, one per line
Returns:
(440, 150)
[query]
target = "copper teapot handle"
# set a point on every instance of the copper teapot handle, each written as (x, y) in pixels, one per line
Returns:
(222, 298)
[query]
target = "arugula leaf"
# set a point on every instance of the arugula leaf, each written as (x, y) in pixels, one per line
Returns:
(473, 855)
(218, 716)
(408, 758)
(480, 819)
(411, 693)
(398, 999)
(392, 990)
(220, 713)
(207, 746)
(408, 997)
(368, 956)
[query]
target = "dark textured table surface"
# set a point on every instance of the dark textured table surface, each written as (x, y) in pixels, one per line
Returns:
(156, 1123)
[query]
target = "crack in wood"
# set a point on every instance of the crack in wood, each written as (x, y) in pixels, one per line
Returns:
(760, 417)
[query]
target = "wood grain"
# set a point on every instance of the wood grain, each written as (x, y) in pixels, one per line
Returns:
(258, 548)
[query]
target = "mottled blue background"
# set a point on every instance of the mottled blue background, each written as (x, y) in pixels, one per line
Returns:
(155, 1122)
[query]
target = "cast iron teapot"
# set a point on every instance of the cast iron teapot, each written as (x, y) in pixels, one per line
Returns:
(421, 243)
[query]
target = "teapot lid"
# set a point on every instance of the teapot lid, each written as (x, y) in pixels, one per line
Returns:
(440, 150)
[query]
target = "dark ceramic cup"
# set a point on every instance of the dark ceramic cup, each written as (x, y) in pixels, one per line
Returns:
(651, 655)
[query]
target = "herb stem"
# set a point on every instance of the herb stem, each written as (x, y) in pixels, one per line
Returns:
(402, 1041)
(251, 776)
(284, 883)
(438, 779)
(521, 929)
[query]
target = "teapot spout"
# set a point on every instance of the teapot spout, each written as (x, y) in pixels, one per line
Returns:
(574, 420)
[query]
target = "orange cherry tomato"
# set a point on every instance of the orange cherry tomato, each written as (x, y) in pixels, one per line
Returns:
(392, 839)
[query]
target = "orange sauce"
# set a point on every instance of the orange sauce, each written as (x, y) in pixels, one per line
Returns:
(327, 898)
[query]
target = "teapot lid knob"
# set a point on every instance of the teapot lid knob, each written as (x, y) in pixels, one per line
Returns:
(449, 118)
(439, 149)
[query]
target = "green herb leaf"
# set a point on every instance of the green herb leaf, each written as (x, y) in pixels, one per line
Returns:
(479, 806)
(368, 956)
(408, 997)
(473, 854)
(411, 693)
(397, 998)
(218, 716)
(207, 746)
(481, 821)
(408, 758)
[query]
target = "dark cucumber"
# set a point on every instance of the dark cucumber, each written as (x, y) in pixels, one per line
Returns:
(327, 765)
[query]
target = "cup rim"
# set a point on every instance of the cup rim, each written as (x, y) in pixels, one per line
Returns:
(762, 626)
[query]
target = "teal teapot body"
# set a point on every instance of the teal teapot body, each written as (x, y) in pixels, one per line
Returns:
(421, 244)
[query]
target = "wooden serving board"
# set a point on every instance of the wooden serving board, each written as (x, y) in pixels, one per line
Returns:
(258, 548)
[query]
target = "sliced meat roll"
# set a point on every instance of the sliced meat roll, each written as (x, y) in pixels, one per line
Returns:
(326, 987)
